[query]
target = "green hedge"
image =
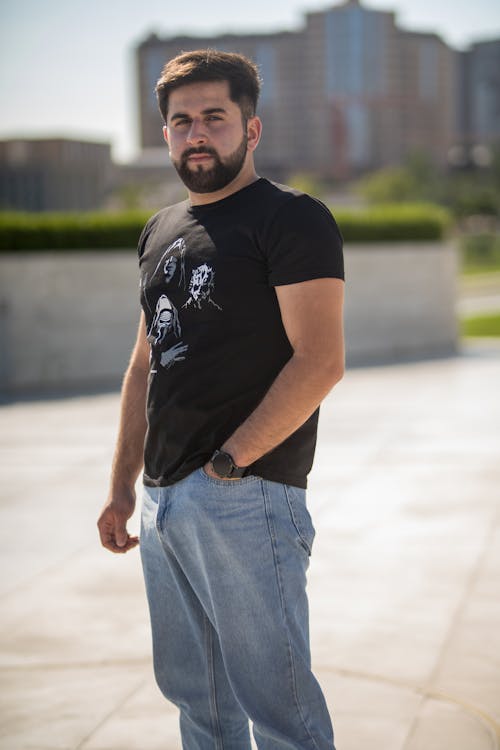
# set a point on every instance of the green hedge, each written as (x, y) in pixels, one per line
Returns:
(390, 223)
(53, 231)
(394, 223)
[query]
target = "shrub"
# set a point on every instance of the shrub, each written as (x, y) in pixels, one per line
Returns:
(394, 223)
(20, 231)
(93, 231)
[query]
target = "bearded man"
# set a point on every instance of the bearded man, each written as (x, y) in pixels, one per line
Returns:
(219, 410)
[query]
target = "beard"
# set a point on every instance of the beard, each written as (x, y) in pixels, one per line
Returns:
(201, 180)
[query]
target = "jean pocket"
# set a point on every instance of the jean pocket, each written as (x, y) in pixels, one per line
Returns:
(301, 518)
(221, 482)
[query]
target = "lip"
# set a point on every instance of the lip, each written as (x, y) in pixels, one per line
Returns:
(200, 157)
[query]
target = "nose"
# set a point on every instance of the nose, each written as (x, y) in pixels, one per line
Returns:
(196, 134)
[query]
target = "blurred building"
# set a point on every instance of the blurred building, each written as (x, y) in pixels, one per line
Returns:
(353, 101)
(376, 92)
(148, 181)
(348, 92)
(428, 84)
(54, 174)
(479, 105)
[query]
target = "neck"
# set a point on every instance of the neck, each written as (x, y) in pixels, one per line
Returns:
(245, 177)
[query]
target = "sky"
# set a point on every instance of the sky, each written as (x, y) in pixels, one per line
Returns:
(67, 66)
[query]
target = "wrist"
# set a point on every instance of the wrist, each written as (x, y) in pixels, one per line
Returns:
(121, 487)
(224, 465)
(238, 456)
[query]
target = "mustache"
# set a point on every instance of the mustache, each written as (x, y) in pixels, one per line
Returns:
(198, 150)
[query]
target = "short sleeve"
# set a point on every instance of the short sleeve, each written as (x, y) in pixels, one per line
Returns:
(144, 236)
(303, 243)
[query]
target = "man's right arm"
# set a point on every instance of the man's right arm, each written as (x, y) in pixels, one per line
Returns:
(128, 456)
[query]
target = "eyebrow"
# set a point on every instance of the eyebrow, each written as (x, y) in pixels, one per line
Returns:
(207, 111)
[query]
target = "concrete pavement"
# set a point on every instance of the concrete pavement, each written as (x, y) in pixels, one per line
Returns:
(403, 584)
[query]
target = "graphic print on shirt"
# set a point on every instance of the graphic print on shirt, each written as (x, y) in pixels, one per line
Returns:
(201, 286)
(173, 258)
(165, 324)
(173, 355)
(165, 321)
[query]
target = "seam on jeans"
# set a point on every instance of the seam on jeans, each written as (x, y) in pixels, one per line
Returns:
(298, 527)
(164, 503)
(227, 483)
(162, 509)
(214, 713)
(272, 532)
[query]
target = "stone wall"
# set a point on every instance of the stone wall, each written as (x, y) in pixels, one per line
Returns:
(400, 301)
(67, 319)
(70, 319)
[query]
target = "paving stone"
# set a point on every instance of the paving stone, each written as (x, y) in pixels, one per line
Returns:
(403, 581)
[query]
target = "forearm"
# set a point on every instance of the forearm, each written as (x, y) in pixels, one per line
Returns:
(128, 457)
(294, 395)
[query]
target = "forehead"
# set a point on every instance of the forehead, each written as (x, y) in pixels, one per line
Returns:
(196, 97)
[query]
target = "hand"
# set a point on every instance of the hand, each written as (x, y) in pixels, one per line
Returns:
(211, 473)
(173, 355)
(112, 523)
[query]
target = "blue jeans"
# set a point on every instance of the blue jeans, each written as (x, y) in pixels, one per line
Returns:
(225, 569)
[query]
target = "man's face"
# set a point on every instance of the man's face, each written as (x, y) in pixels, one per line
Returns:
(206, 136)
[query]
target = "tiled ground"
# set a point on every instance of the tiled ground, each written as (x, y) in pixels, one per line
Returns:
(404, 578)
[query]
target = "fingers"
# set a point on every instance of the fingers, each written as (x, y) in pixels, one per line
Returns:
(121, 535)
(113, 532)
(112, 546)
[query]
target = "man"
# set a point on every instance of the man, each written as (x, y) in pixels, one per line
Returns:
(239, 341)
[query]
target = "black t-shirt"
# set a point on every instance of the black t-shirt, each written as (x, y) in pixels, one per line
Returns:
(214, 324)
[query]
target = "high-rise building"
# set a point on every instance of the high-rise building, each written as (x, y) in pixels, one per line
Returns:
(428, 69)
(479, 104)
(348, 92)
(352, 67)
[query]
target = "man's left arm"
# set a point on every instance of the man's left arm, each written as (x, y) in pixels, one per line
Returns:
(312, 314)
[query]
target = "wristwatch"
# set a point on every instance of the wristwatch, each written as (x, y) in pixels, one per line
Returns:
(224, 466)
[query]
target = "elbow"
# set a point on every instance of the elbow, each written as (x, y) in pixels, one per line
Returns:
(325, 369)
(336, 372)
(334, 365)
(337, 362)
(330, 362)
(329, 372)
(340, 371)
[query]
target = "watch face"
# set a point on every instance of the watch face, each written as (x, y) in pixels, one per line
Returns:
(222, 464)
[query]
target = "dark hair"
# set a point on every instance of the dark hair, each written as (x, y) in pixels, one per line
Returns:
(201, 65)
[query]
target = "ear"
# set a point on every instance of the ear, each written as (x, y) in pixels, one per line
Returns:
(254, 131)
(165, 134)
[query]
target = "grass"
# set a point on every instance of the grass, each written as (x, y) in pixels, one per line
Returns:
(486, 325)
(475, 269)
(480, 254)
